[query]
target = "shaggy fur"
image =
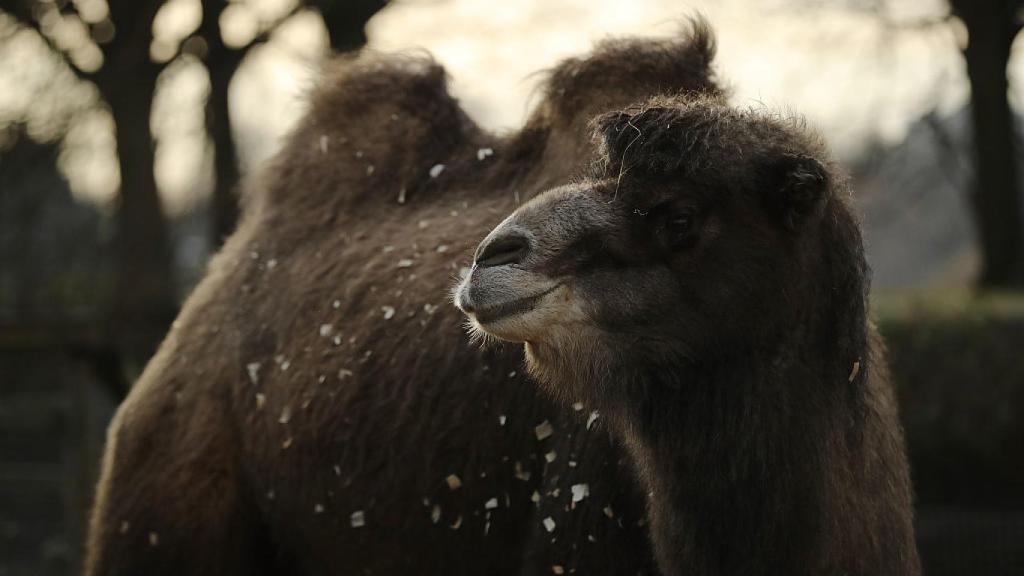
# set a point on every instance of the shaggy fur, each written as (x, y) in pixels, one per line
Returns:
(316, 398)
(705, 291)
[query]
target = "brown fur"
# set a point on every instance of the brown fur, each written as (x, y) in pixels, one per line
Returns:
(704, 289)
(210, 471)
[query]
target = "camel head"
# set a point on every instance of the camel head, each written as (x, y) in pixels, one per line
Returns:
(694, 236)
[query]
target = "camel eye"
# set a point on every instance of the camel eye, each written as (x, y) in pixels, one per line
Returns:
(680, 224)
(681, 231)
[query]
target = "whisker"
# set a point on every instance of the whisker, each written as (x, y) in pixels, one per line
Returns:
(622, 161)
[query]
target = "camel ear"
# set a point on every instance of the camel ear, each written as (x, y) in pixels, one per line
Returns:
(798, 185)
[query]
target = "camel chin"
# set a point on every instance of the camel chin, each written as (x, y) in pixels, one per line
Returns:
(515, 305)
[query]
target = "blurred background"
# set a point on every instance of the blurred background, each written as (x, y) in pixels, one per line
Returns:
(125, 126)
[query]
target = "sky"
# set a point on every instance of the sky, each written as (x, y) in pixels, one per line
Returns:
(857, 77)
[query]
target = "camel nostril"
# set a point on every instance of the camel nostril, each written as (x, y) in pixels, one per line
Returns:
(510, 249)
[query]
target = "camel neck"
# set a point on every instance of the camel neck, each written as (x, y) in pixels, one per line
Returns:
(731, 456)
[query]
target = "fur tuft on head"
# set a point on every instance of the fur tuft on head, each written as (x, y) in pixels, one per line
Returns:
(756, 152)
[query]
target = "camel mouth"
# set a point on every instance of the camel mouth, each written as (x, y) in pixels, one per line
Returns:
(504, 310)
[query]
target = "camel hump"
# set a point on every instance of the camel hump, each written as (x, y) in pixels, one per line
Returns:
(370, 89)
(622, 71)
(375, 124)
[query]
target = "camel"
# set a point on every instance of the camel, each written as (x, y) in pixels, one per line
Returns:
(316, 407)
(704, 290)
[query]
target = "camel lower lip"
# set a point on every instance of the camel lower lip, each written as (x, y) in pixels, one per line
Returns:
(505, 309)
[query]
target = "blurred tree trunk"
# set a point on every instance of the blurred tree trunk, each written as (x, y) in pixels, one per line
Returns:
(991, 27)
(225, 156)
(145, 301)
(144, 298)
(221, 64)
